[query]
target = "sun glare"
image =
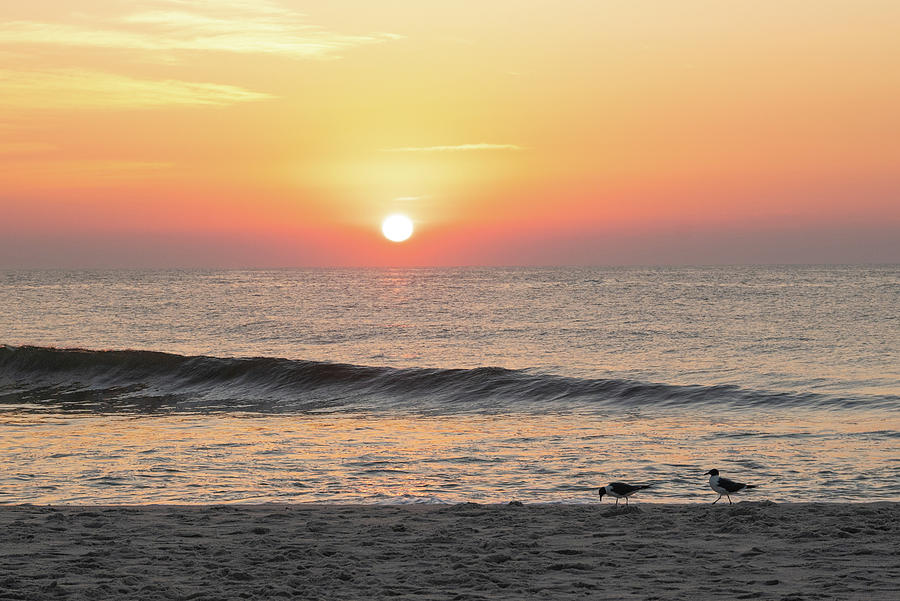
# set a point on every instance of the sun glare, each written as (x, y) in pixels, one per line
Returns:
(397, 228)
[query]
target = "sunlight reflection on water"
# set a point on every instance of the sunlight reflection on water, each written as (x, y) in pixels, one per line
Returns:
(389, 459)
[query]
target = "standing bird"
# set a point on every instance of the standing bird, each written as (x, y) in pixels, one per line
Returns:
(724, 486)
(620, 490)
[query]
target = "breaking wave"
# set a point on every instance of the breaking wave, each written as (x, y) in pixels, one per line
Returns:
(40, 379)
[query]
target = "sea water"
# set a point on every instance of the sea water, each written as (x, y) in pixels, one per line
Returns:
(448, 385)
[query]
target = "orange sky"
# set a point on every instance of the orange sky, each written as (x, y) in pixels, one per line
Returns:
(279, 133)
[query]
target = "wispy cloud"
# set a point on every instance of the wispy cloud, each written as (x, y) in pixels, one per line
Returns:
(226, 26)
(455, 148)
(232, 6)
(66, 88)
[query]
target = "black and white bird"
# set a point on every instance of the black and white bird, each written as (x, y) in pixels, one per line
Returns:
(620, 490)
(724, 486)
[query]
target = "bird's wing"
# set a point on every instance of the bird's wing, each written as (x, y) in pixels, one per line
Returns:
(730, 485)
(620, 488)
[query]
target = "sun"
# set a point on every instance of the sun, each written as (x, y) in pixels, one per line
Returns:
(397, 227)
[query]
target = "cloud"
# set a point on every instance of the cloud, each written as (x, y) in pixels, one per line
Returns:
(226, 26)
(246, 6)
(456, 148)
(70, 88)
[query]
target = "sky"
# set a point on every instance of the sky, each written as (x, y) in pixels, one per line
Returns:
(279, 133)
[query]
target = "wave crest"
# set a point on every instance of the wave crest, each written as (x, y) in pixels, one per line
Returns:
(40, 379)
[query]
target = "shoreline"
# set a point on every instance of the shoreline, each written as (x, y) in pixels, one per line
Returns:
(749, 550)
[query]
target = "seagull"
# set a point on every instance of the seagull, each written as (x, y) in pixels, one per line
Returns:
(724, 486)
(621, 490)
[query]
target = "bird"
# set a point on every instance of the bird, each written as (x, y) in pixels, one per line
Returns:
(620, 490)
(724, 486)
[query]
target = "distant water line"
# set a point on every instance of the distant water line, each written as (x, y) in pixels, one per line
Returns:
(816, 329)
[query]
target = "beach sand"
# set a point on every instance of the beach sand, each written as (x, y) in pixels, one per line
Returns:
(650, 551)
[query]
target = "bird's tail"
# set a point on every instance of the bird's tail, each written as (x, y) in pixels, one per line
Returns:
(643, 486)
(751, 486)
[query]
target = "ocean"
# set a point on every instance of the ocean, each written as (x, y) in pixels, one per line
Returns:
(448, 385)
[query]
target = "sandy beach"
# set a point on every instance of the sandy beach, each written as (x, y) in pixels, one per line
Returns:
(750, 550)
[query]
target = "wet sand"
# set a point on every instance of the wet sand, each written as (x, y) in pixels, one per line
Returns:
(466, 552)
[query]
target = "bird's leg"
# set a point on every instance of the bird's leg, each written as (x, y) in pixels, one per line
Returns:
(626, 500)
(729, 500)
(617, 502)
(717, 500)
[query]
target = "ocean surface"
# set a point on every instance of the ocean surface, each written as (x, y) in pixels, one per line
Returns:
(448, 385)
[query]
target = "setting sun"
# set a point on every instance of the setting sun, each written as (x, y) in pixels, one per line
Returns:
(397, 228)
